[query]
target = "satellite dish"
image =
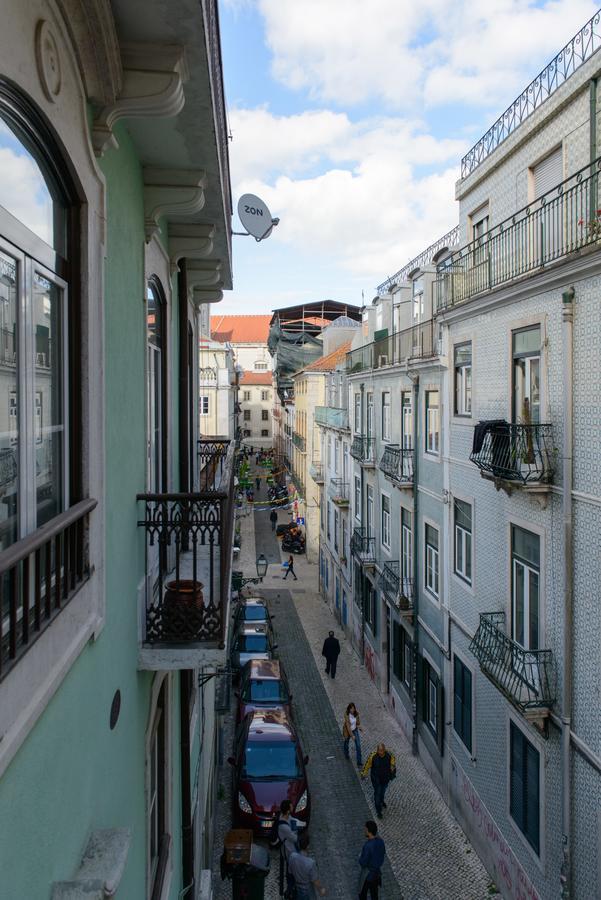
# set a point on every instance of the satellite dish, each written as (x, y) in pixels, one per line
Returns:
(255, 216)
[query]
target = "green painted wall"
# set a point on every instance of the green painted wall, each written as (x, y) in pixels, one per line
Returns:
(73, 775)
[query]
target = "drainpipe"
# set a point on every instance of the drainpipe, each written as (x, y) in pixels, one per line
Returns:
(568, 567)
(416, 671)
(593, 142)
(185, 780)
(184, 393)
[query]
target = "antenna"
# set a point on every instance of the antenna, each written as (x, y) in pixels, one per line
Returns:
(255, 217)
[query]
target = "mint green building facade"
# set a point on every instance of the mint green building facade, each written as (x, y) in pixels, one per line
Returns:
(114, 230)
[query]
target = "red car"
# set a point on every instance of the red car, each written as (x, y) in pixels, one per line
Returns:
(268, 767)
(263, 685)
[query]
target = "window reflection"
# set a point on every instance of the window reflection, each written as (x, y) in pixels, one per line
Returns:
(49, 422)
(9, 425)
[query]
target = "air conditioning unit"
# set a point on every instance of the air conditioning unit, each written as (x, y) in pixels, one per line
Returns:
(382, 360)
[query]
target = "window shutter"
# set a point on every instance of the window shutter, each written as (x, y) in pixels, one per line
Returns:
(532, 813)
(440, 715)
(548, 173)
(421, 691)
(516, 787)
(467, 707)
(457, 698)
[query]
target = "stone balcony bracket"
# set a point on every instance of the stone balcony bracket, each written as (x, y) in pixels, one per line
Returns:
(171, 192)
(153, 86)
(199, 297)
(191, 241)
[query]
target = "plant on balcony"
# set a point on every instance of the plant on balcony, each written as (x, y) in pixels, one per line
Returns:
(593, 227)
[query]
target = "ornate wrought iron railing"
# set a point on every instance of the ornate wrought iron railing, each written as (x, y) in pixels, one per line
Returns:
(332, 417)
(339, 491)
(316, 473)
(561, 222)
(425, 258)
(299, 441)
(418, 342)
(397, 463)
(581, 47)
(212, 454)
(527, 678)
(188, 563)
(519, 453)
(363, 546)
(363, 449)
(399, 590)
(39, 575)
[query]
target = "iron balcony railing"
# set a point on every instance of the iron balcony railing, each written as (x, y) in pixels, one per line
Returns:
(39, 575)
(563, 221)
(332, 417)
(299, 441)
(576, 52)
(363, 547)
(397, 464)
(188, 551)
(418, 342)
(519, 453)
(363, 449)
(316, 473)
(526, 677)
(423, 259)
(399, 590)
(211, 455)
(339, 492)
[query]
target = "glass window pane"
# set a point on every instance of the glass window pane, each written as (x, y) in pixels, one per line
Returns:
(463, 355)
(49, 425)
(526, 545)
(9, 433)
(518, 624)
(527, 341)
(463, 515)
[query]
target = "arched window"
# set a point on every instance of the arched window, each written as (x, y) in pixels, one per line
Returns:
(156, 386)
(40, 347)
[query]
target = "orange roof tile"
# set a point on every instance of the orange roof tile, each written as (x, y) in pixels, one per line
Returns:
(328, 363)
(240, 329)
(256, 378)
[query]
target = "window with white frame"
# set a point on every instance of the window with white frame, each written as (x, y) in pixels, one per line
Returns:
(432, 700)
(432, 561)
(336, 527)
(526, 401)
(462, 702)
(525, 587)
(336, 456)
(357, 497)
(329, 519)
(386, 521)
(406, 421)
(344, 539)
(385, 415)
(204, 405)
(406, 553)
(463, 379)
(371, 607)
(329, 451)
(357, 417)
(246, 395)
(417, 295)
(463, 540)
(432, 423)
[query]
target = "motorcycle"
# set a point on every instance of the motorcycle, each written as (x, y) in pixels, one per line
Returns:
(293, 545)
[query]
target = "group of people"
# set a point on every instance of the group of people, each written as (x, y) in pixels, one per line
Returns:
(302, 880)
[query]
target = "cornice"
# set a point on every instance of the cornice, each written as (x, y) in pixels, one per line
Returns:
(171, 192)
(191, 241)
(200, 297)
(91, 28)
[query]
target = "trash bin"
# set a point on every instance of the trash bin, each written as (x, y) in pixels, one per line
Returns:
(246, 863)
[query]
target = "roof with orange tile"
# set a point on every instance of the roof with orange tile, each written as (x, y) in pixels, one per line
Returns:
(240, 329)
(328, 363)
(256, 378)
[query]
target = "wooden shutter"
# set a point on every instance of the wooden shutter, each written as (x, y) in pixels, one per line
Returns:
(516, 776)
(440, 715)
(548, 173)
(532, 812)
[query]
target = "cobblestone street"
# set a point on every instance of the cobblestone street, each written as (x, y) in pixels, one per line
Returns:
(428, 856)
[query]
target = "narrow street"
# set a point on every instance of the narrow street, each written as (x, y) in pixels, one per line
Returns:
(428, 856)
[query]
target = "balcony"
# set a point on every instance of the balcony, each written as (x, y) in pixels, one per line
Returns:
(520, 456)
(39, 575)
(299, 441)
(316, 473)
(363, 547)
(188, 555)
(397, 464)
(332, 417)
(211, 455)
(418, 342)
(526, 677)
(566, 220)
(363, 449)
(339, 492)
(397, 589)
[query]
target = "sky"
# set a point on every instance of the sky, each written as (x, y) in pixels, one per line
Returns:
(349, 118)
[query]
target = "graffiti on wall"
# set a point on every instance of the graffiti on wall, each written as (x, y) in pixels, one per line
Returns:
(369, 658)
(511, 878)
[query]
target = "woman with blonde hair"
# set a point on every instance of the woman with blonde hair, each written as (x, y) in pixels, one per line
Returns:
(351, 728)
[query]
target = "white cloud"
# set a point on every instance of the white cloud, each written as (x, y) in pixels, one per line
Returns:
(23, 191)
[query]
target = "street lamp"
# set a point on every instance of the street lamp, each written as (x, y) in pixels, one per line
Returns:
(238, 581)
(262, 566)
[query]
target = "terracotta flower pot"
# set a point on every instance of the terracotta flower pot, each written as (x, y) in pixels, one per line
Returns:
(186, 592)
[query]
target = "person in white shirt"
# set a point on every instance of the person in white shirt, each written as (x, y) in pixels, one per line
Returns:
(351, 729)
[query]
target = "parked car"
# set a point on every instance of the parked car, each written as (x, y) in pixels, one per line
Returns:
(251, 641)
(268, 767)
(253, 610)
(263, 685)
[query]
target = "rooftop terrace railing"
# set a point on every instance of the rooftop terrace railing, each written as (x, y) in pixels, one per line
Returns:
(562, 221)
(581, 47)
(332, 417)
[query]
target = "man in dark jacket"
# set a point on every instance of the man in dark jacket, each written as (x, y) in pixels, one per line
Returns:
(381, 766)
(371, 862)
(273, 518)
(331, 651)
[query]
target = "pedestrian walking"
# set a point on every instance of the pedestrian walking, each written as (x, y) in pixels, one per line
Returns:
(304, 871)
(351, 728)
(371, 860)
(381, 766)
(288, 838)
(258, 483)
(290, 568)
(331, 651)
(273, 518)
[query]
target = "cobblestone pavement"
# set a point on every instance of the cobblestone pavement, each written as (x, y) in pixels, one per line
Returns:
(428, 853)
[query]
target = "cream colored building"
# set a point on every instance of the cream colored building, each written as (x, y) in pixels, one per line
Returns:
(255, 397)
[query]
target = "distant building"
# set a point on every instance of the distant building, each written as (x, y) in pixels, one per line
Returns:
(247, 335)
(217, 389)
(255, 397)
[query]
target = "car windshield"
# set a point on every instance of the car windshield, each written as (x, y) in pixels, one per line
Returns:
(255, 613)
(254, 642)
(273, 761)
(266, 691)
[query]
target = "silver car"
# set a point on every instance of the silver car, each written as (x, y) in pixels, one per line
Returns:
(251, 641)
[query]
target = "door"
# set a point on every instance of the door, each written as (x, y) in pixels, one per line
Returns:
(370, 512)
(406, 435)
(344, 609)
(388, 654)
(155, 463)
(406, 553)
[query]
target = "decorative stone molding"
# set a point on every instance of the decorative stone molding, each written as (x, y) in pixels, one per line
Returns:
(171, 192)
(201, 297)
(48, 60)
(193, 241)
(203, 273)
(93, 37)
(153, 80)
